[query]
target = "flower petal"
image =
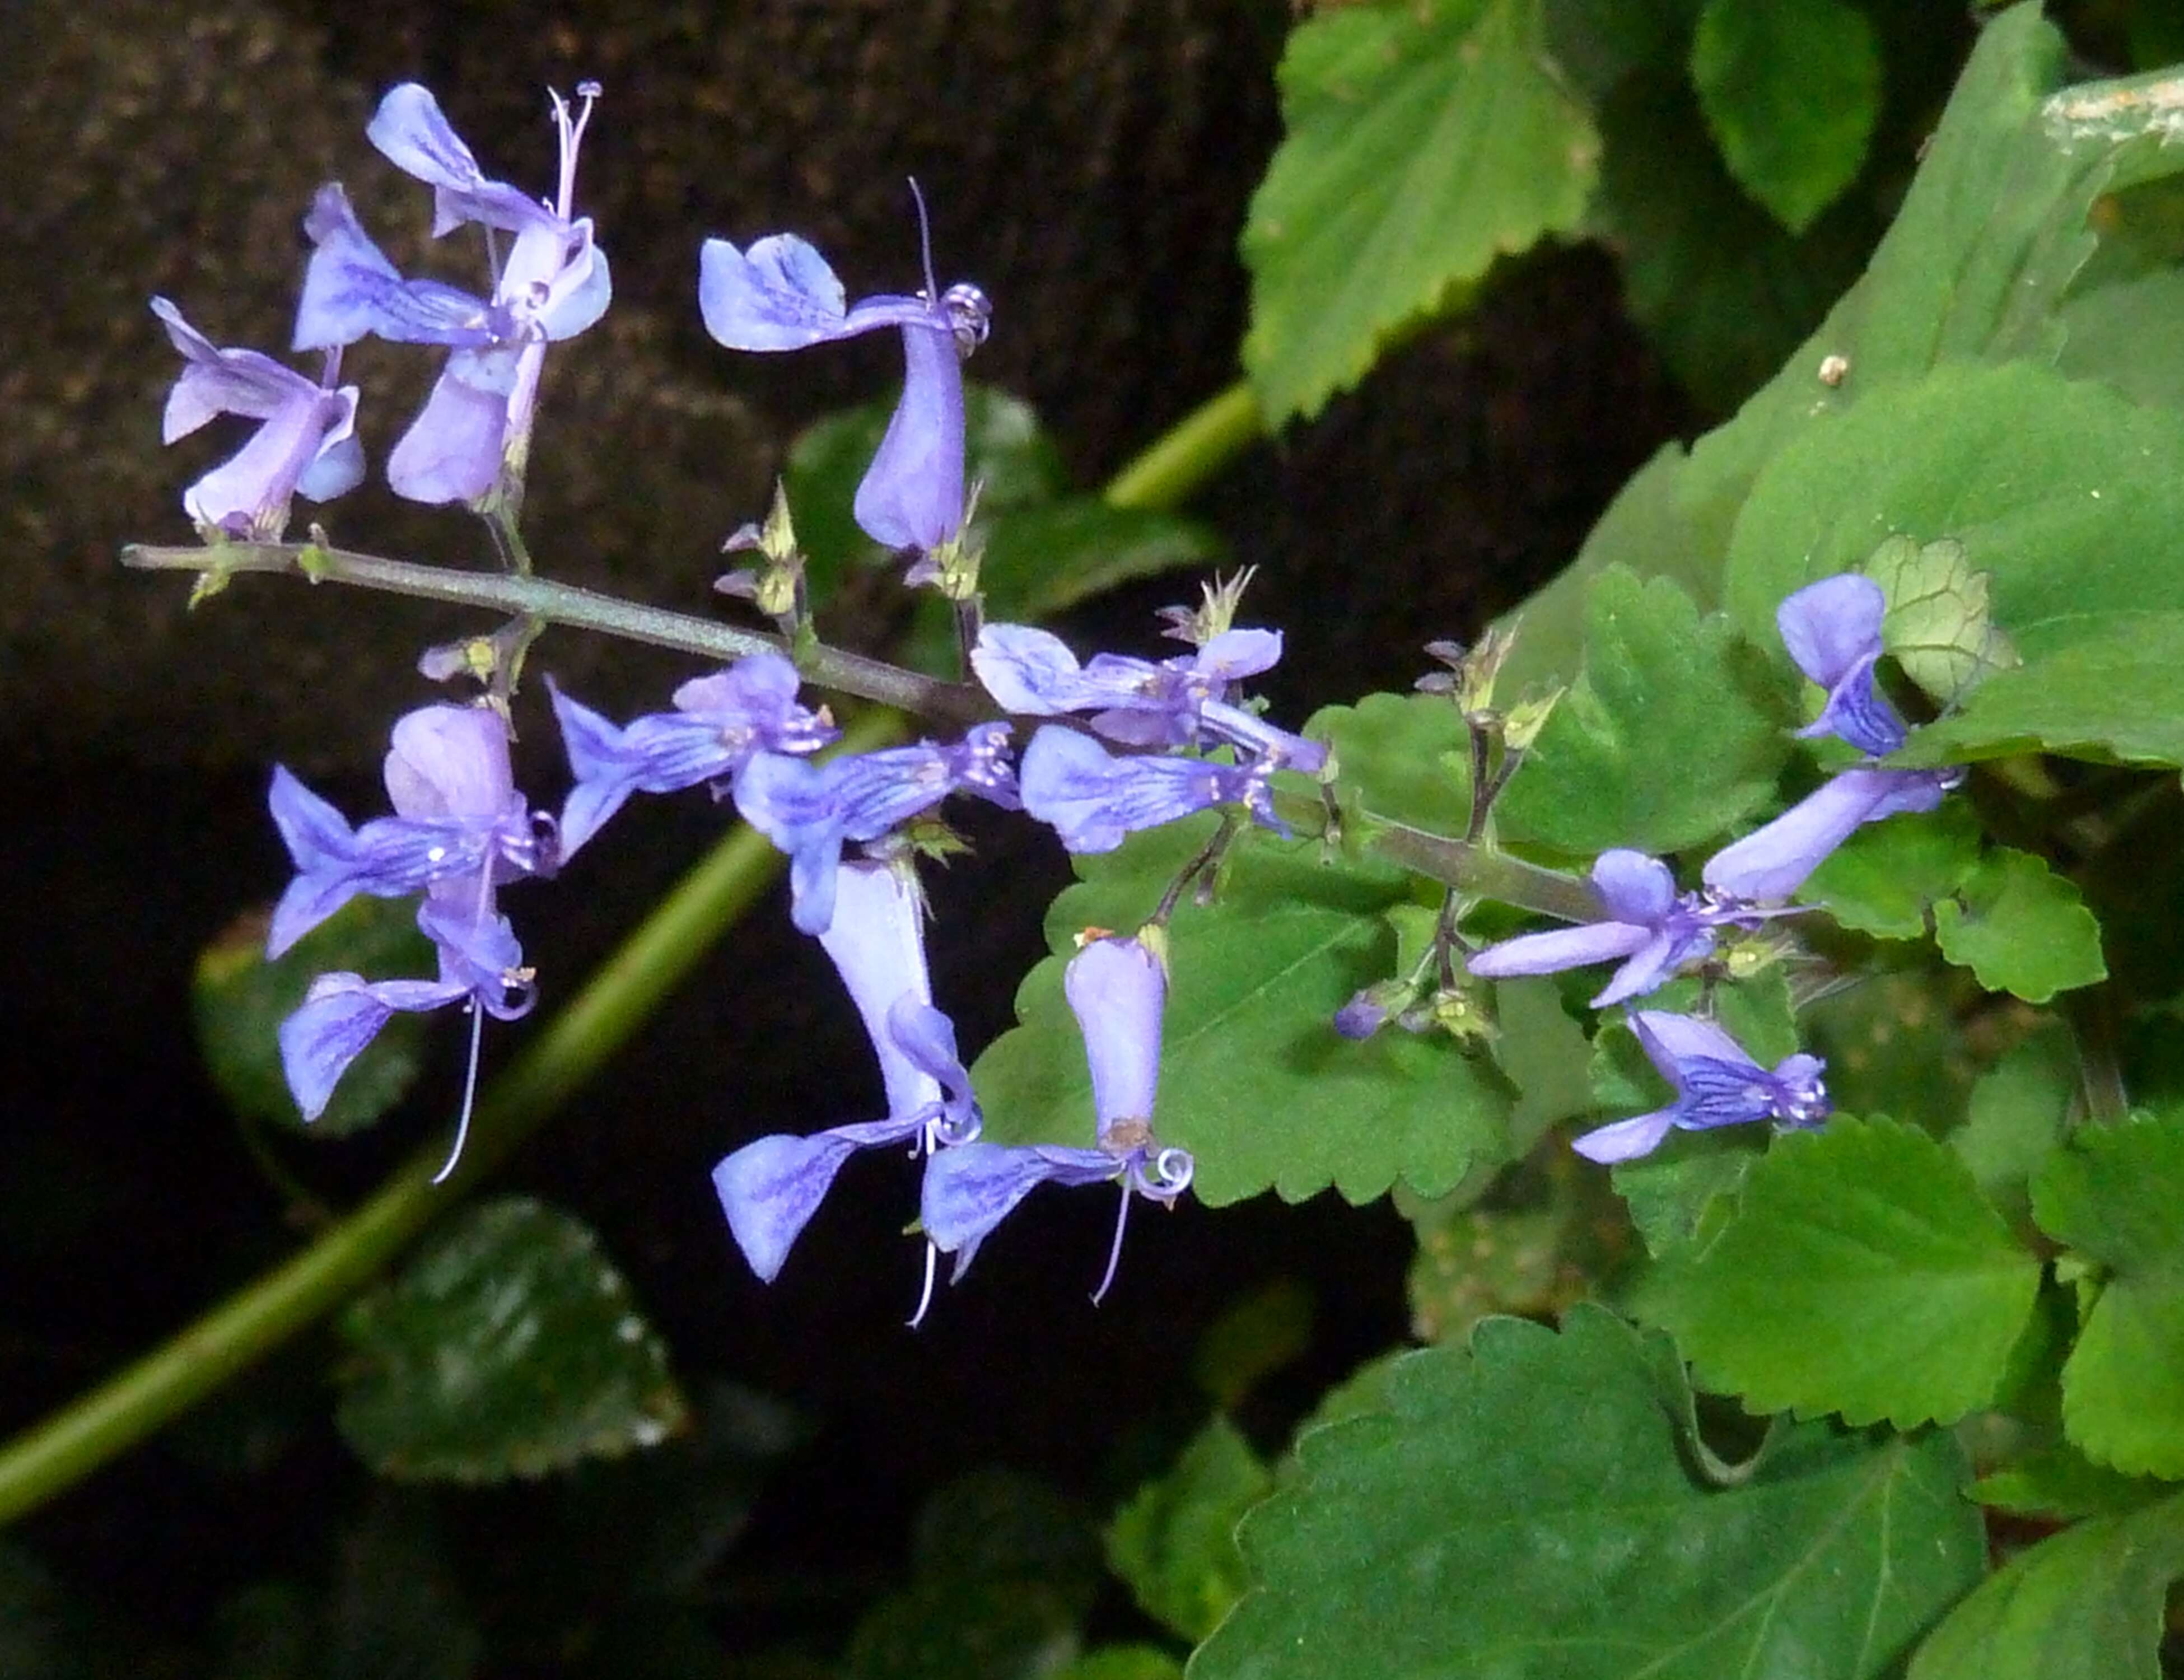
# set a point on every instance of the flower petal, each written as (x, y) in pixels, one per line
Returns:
(454, 449)
(1830, 626)
(779, 295)
(1117, 989)
(1771, 863)
(1625, 1139)
(911, 495)
(340, 1015)
(769, 1188)
(450, 764)
(970, 1189)
(1562, 947)
(1634, 887)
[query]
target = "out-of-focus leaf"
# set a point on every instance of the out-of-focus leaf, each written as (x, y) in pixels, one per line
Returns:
(509, 1346)
(1267, 1329)
(2061, 1484)
(239, 1001)
(1040, 559)
(2017, 1111)
(1122, 1662)
(1423, 141)
(1174, 1543)
(396, 1607)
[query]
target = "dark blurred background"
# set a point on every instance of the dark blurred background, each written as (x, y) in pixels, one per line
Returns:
(1089, 162)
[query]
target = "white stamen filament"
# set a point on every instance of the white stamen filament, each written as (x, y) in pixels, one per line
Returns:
(925, 1298)
(470, 1093)
(1115, 1251)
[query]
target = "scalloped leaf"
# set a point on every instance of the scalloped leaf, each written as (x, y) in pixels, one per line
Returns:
(1424, 138)
(1528, 1510)
(1885, 879)
(2020, 928)
(1174, 1543)
(1255, 1081)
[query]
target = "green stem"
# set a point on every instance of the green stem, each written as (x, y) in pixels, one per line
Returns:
(580, 608)
(554, 1062)
(1190, 452)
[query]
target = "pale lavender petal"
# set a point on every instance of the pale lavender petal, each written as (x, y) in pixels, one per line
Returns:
(605, 772)
(217, 381)
(1236, 654)
(454, 450)
(1118, 988)
(876, 939)
(339, 466)
(1564, 948)
(911, 495)
(1032, 672)
(769, 1188)
(970, 1189)
(1625, 1139)
(1830, 626)
(1634, 887)
(1858, 712)
(323, 846)
(1093, 801)
(792, 803)
(1652, 963)
(352, 289)
(248, 494)
(414, 136)
(1669, 1040)
(1362, 1016)
(341, 1016)
(575, 290)
(450, 764)
(1771, 863)
(1257, 738)
(780, 295)
(928, 1038)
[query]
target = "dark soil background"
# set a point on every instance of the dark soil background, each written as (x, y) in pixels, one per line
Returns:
(1089, 162)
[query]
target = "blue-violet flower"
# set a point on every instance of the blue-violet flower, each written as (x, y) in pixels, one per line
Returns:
(1092, 798)
(305, 443)
(718, 723)
(808, 810)
(1716, 1084)
(474, 432)
(781, 295)
(771, 1188)
(1180, 702)
(1118, 988)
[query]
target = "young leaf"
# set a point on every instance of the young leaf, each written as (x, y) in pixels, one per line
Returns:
(2115, 696)
(510, 1346)
(1423, 140)
(1255, 1081)
(1470, 1529)
(1862, 1273)
(2083, 1605)
(2020, 928)
(2061, 1484)
(1405, 756)
(2019, 1108)
(1791, 90)
(1885, 879)
(2113, 1198)
(1673, 731)
(1940, 626)
(1174, 1544)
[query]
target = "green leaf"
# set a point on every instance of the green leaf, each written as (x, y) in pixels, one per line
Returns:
(1862, 1273)
(1121, 1662)
(1596, 43)
(1006, 449)
(1791, 90)
(1174, 1544)
(2116, 696)
(1255, 1081)
(1471, 1530)
(1041, 559)
(1892, 1043)
(1885, 879)
(1267, 1329)
(2062, 1485)
(238, 1000)
(2113, 1199)
(1405, 756)
(2017, 1111)
(2129, 335)
(1940, 626)
(2020, 928)
(1672, 732)
(510, 1346)
(1424, 138)
(1546, 1055)
(2066, 495)
(2083, 1605)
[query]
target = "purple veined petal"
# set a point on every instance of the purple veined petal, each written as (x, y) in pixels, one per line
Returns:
(1236, 654)
(794, 803)
(1362, 1016)
(341, 1016)
(769, 1188)
(1654, 962)
(928, 1038)
(1257, 738)
(779, 295)
(339, 465)
(322, 845)
(876, 939)
(600, 764)
(1858, 712)
(557, 278)
(1560, 949)
(217, 381)
(1804, 1096)
(248, 494)
(477, 947)
(1828, 626)
(450, 764)
(352, 289)
(911, 495)
(454, 450)
(1625, 1139)
(1093, 801)
(1634, 887)
(1669, 1040)
(1771, 863)
(1032, 672)
(1117, 989)
(970, 1189)
(1151, 731)
(414, 134)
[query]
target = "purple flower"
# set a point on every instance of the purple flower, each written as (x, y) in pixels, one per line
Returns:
(472, 434)
(1092, 800)
(781, 295)
(771, 1188)
(1143, 703)
(1651, 927)
(719, 721)
(460, 829)
(305, 443)
(459, 818)
(808, 810)
(1832, 629)
(1118, 988)
(1773, 862)
(1717, 1084)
